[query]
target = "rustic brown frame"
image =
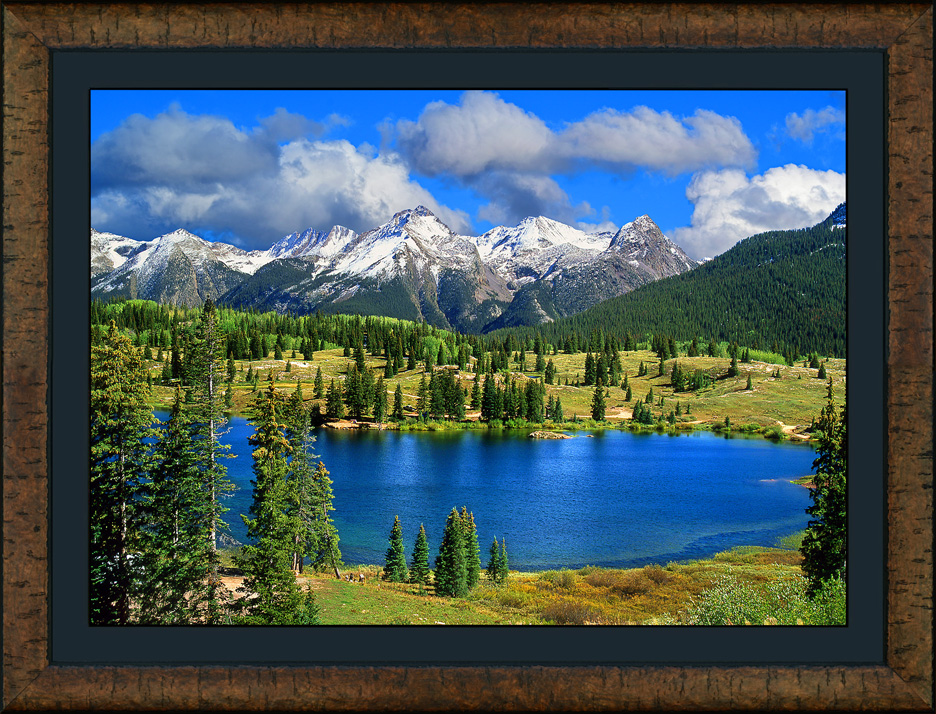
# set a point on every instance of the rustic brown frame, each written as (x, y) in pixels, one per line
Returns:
(31, 30)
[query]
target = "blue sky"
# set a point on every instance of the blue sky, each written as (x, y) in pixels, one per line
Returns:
(248, 167)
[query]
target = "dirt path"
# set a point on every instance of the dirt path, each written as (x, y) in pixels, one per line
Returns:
(789, 431)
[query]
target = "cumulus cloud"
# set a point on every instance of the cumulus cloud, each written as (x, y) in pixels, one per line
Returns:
(491, 145)
(482, 133)
(804, 127)
(658, 141)
(150, 176)
(729, 206)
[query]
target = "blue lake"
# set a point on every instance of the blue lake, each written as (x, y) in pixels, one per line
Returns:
(610, 498)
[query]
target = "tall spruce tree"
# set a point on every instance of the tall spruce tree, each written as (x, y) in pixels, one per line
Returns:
(472, 549)
(492, 572)
(398, 403)
(204, 354)
(175, 555)
(598, 402)
(451, 566)
(419, 569)
(120, 464)
(395, 562)
(273, 597)
(823, 548)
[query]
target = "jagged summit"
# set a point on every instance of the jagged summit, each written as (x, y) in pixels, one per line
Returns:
(412, 266)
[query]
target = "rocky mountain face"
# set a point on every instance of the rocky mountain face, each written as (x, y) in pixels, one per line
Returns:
(412, 267)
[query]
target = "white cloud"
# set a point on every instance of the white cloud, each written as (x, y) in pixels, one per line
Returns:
(511, 156)
(658, 141)
(805, 127)
(729, 206)
(200, 172)
(482, 133)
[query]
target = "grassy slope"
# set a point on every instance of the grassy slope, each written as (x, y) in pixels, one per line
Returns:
(794, 399)
(588, 595)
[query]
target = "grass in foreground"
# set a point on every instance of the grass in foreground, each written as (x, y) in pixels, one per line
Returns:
(742, 586)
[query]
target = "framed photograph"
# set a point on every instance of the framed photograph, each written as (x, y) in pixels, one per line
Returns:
(434, 73)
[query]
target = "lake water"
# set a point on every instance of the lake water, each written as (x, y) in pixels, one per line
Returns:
(613, 498)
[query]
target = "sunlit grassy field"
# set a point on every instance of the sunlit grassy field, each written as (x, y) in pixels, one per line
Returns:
(788, 403)
(767, 580)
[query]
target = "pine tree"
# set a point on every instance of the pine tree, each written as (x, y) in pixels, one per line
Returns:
(322, 546)
(503, 566)
(598, 403)
(231, 370)
(272, 595)
(204, 350)
(824, 545)
(733, 368)
(822, 371)
(550, 374)
(419, 569)
(319, 384)
(451, 567)
(472, 549)
(398, 403)
(334, 405)
(395, 565)
(120, 421)
(380, 401)
(589, 369)
(174, 554)
(492, 570)
(558, 416)
(629, 395)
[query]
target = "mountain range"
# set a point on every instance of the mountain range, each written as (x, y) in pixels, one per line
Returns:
(783, 291)
(412, 267)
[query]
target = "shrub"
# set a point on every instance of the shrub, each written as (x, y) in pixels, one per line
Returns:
(558, 579)
(566, 612)
(784, 602)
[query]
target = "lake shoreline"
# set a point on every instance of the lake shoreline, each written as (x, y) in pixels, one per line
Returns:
(782, 433)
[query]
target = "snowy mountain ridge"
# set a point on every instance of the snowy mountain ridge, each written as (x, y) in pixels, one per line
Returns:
(432, 264)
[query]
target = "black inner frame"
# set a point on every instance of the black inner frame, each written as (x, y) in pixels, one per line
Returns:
(861, 73)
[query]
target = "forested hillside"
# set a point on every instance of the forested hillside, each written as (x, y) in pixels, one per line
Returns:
(782, 290)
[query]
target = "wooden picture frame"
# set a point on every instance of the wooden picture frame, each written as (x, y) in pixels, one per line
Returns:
(33, 30)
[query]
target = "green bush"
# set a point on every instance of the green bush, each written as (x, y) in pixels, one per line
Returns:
(783, 602)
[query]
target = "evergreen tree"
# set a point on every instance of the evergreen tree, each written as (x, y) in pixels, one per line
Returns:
(273, 596)
(319, 384)
(629, 395)
(823, 548)
(174, 554)
(540, 362)
(120, 463)
(419, 568)
(550, 372)
(598, 403)
(750, 384)
(231, 370)
(205, 348)
(822, 371)
(334, 405)
(398, 403)
(733, 368)
(476, 391)
(493, 559)
(322, 545)
(503, 566)
(380, 401)
(451, 567)
(395, 565)
(589, 369)
(472, 549)
(558, 416)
